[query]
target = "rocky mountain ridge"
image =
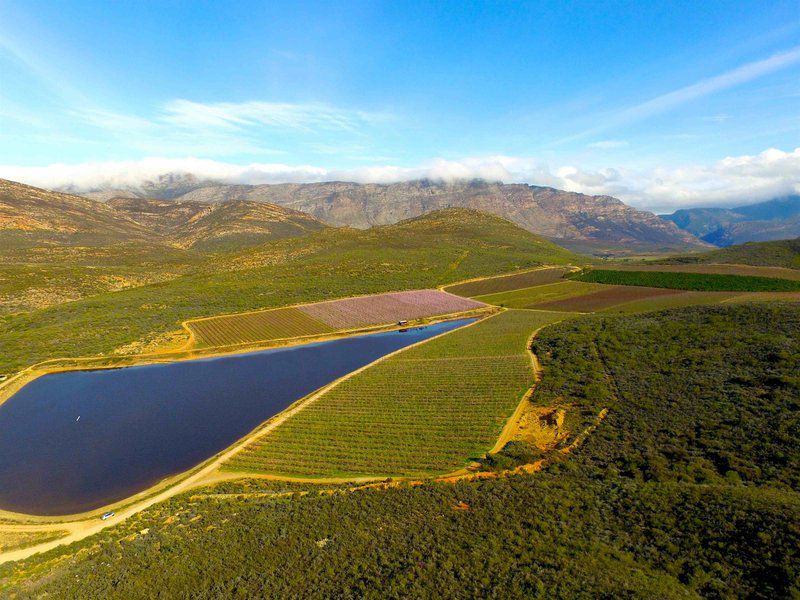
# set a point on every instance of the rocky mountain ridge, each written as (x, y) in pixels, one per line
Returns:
(575, 220)
(775, 219)
(32, 215)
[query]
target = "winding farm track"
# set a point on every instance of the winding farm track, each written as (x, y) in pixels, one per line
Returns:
(209, 472)
(204, 475)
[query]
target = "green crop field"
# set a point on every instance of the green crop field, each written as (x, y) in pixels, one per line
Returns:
(253, 327)
(429, 409)
(677, 300)
(506, 283)
(689, 281)
(527, 297)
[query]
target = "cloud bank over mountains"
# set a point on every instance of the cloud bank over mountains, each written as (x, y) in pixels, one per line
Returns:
(730, 181)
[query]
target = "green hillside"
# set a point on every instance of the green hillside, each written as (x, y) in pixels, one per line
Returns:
(781, 253)
(687, 489)
(438, 248)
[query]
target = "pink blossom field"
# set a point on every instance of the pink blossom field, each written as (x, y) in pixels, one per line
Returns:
(387, 308)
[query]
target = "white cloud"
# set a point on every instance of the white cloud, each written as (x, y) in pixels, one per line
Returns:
(730, 181)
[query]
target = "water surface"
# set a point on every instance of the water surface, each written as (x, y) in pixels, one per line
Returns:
(75, 441)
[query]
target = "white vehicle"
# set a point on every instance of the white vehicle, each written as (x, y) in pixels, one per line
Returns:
(107, 515)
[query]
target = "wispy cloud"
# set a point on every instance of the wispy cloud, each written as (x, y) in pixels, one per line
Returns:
(730, 181)
(671, 100)
(242, 115)
(607, 144)
(228, 128)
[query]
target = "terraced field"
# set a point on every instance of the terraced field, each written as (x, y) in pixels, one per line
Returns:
(505, 283)
(325, 317)
(429, 409)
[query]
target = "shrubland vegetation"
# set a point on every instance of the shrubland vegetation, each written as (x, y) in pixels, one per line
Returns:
(429, 409)
(435, 249)
(324, 317)
(689, 281)
(688, 488)
(11, 540)
(780, 253)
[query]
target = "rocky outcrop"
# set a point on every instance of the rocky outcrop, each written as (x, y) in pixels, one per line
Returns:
(556, 214)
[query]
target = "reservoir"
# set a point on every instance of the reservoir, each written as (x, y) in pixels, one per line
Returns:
(75, 441)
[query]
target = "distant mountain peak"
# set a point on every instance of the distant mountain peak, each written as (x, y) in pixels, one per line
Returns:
(774, 219)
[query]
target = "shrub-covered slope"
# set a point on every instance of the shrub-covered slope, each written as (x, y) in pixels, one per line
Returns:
(439, 248)
(688, 489)
(781, 253)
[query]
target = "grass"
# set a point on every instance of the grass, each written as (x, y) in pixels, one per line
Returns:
(429, 409)
(689, 281)
(504, 283)
(528, 297)
(13, 540)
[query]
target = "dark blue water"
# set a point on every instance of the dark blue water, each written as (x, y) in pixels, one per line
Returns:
(139, 425)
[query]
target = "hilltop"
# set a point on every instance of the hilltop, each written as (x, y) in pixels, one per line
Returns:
(64, 311)
(780, 253)
(31, 217)
(765, 221)
(577, 221)
(231, 224)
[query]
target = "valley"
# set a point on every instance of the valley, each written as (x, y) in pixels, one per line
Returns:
(465, 406)
(377, 300)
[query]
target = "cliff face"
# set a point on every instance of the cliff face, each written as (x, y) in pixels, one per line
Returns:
(566, 216)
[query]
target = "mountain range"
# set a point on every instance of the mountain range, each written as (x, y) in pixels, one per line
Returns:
(594, 224)
(775, 219)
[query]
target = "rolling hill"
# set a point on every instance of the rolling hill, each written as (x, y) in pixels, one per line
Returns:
(779, 253)
(31, 216)
(765, 221)
(577, 221)
(438, 248)
(231, 224)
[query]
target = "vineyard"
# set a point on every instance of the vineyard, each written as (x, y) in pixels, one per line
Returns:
(505, 283)
(253, 327)
(609, 296)
(325, 317)
(429, 409)
(531, 296)
(690, 281)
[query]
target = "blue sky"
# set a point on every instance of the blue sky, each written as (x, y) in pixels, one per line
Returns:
(660, 103)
